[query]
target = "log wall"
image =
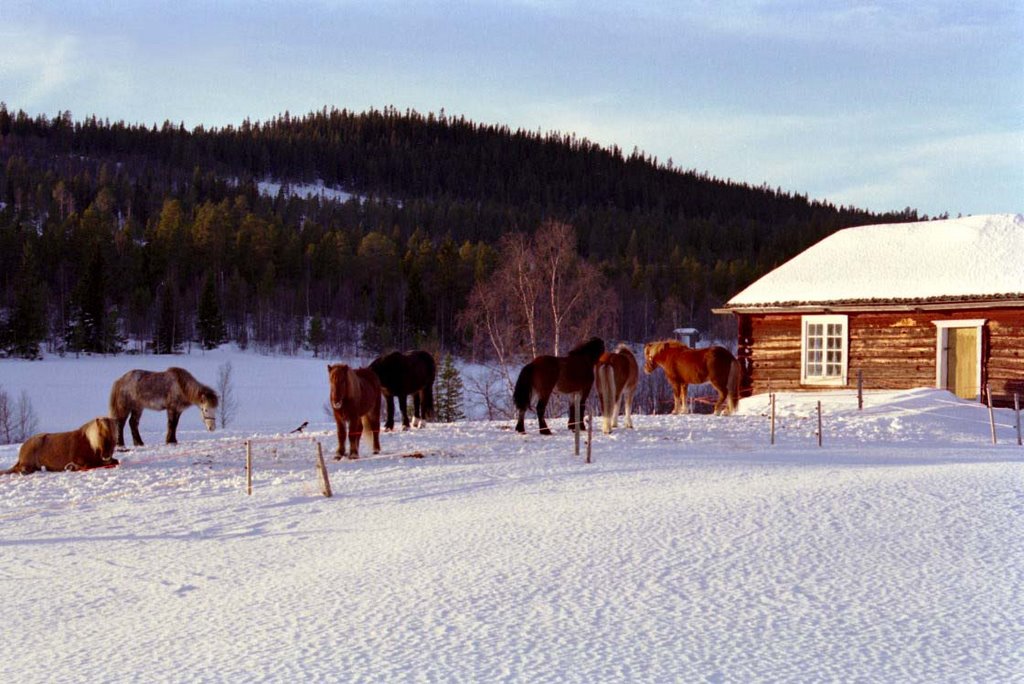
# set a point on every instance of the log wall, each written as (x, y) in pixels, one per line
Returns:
(893, 350)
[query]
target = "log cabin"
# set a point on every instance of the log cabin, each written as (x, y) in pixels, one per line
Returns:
(926, 304)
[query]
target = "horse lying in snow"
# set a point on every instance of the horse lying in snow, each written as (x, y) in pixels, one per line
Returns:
(90, 446)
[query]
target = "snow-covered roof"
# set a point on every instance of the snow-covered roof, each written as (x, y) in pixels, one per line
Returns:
(972, 258)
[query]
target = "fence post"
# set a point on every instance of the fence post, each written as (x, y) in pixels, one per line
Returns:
(248, 467)
(860, 389)
(576, 423)
(1016, 411)
(991, 412)
(325, 480)
(772, 401)
(590, 428)
(819, 423)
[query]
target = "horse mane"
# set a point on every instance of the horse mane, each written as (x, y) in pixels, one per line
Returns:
(623, 347)
(355, 386)
(661, 344)
(592, 347)
(195, 391)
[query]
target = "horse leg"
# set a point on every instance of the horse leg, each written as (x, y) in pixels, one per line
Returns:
(542, 404)
(682, 401)
(417, 410)
(121, 420)
(355, 431)
(172, 426)
(584, 395)
(389, 423)
(627, 407)
(403, 405)
(340, 453)
(133, 423)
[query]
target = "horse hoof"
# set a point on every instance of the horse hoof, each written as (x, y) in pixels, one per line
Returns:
(545, 431)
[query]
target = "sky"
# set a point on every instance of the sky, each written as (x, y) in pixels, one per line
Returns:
(880, 105)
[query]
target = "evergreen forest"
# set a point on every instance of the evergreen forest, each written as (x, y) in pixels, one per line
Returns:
(119, 237)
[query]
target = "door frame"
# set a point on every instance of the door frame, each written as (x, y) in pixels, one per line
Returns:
(942, 354)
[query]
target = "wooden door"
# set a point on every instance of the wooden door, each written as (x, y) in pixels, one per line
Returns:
(962, 362)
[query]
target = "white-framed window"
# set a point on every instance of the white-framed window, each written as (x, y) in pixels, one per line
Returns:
(823, 350)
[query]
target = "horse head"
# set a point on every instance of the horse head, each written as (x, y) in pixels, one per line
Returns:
(650, 349)
(208, 407)
(342, 384)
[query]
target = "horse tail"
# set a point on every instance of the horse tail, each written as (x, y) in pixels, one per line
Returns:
(524, 388)
(117, 404)
(733, 384)
(606, 393)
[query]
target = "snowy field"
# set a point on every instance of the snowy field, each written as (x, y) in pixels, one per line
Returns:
(690, 550)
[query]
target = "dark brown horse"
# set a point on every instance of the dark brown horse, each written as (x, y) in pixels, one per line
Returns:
(571, 374)
(685, 366)
(617, 375)
(173, 390)
(355, 398)
(404, 374)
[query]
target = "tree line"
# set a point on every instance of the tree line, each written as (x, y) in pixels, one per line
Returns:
(118, 237)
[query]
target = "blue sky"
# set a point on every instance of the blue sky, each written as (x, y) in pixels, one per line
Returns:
(880, 105)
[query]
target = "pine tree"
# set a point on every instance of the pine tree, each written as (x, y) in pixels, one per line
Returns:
(168, 332)
(317, 336)
(209, 322)
(448, 393)
(27, 325)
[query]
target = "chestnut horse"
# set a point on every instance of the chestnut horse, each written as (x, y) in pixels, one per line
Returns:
(90, 446)
(617, 377)
(571, 374)
(404, 374)
(355, 398)
(173, 390)
(685, 366)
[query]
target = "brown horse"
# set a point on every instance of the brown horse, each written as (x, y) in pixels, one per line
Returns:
(173, 390)
(571, 374)
(355, 398)
(90, 446)
(685, 366)
(617, 376)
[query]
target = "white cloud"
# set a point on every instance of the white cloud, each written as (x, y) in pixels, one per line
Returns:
(36, 65)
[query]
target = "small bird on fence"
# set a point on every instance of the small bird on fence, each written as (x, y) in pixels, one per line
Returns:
(301, 427)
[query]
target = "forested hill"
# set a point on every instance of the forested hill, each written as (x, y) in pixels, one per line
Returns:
(393, 266)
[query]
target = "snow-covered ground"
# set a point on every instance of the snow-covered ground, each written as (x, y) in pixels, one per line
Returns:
(271, 188)
(689, 550)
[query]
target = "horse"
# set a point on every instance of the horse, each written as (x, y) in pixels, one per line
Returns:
(404, 374)
(173, 390)
(685, 366)
(355, 398)
(90, 446)
(571, 374)
(617, 375)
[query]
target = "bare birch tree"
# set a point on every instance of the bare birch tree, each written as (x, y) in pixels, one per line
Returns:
(541, 294)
